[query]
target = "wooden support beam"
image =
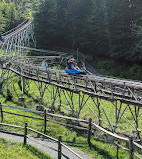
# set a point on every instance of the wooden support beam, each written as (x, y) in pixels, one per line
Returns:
(91, 94)
(59, 147)
(89, 131)
(131, 149)
(25, 133)
(1, 111)
(45, 121)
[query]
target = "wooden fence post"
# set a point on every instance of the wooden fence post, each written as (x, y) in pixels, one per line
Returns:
(89, 132)
(131, 150)
(59, 147)
(25, 133)
(1, 112)
(45, 121)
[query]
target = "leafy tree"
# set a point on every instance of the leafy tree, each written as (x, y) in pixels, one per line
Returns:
(111, 28)
(13, 12)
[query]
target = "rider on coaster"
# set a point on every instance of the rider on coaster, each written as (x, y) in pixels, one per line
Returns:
(71, 64)
(72, 68)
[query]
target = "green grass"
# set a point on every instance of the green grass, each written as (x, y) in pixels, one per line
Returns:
(32, 97)
(15, 150)
(99, 149)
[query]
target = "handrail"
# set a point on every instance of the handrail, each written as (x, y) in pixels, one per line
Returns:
(137, 156)
(71, 150)
(20, 108)
(138, 145)
(122, 147)
(41, 112)
(22, 115)
(11, 125)
(49, 137)
(95, 125)
(60, 123)
(110, 133)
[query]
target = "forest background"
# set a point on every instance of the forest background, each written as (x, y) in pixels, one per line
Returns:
(102, 29)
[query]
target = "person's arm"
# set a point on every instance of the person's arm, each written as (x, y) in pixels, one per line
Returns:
(73, 66)
(76, 67)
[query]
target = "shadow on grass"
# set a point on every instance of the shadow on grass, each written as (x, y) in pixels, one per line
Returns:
(102, 152)
(20, 103)
(33, 98)
(92, 148)
(37, 152)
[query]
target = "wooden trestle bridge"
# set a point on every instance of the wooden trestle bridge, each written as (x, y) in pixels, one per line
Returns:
(120, 95)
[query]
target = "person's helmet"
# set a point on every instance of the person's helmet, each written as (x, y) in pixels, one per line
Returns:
(72, 59)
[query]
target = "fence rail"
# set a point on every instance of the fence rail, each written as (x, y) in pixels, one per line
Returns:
(109, 133)
(49, 114)
(44, 135)
(90, 129)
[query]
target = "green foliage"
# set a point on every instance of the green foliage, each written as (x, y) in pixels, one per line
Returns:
(103, 28)
(13, 12)
(109, 67)
(61, 22)
(136, 53)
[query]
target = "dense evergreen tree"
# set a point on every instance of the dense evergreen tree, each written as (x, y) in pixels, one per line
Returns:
(96, 30)
(111, 28)
(104, 28)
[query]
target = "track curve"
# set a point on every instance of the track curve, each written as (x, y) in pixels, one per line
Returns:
(16, 59)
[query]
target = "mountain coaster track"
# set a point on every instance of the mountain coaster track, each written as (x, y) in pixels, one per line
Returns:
(122, 95)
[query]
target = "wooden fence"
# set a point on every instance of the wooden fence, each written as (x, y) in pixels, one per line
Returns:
(60, 144)
(90, 128)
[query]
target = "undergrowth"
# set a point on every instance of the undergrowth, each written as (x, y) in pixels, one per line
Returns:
(119, 69)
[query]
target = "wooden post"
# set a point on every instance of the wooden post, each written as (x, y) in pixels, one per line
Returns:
(25, 134)
(45, 121)
(116, 117)
(117, 154)
(131, 150)
(59, 92)
(77, 54)
(89, 131)
(59, 147)
(1, 112)
(98, 105)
